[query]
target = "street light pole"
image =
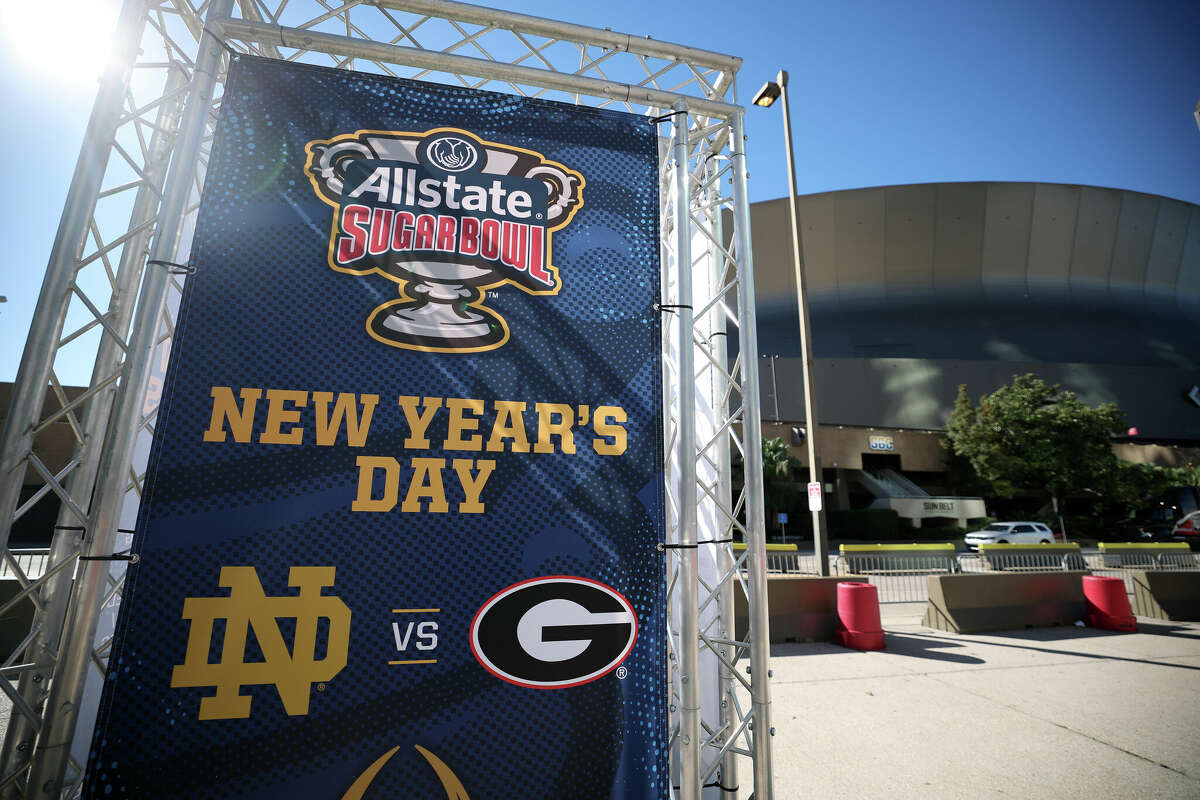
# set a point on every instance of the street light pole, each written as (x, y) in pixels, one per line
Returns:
(765, 97)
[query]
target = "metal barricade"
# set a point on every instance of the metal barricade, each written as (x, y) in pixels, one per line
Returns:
(1119, 559)
(899, 572)
(1032, 557)
(31, 561)
(784, 559)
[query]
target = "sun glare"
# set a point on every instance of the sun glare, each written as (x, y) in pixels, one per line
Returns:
(66, 42)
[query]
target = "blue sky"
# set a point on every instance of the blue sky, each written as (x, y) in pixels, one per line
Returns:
(1072, 91)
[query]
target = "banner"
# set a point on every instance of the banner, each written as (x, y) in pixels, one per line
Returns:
(401, 535)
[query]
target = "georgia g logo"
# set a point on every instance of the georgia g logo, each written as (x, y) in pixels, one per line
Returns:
(553, 632)
(446, 215)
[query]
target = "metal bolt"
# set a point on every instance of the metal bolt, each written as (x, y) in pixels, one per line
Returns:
(684, 679)
(687, 740)
(747, 670)
(37, 678)
(772, 731)
(672, 709)
(770, 673)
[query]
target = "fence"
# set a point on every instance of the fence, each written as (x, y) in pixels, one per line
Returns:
(31, 562)
(1118, 560)
(899, 572)
(784, 559)
(901, 575)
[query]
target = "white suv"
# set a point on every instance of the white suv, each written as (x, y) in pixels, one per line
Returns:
(1010, 533)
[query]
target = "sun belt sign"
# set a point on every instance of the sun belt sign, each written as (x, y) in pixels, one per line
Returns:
(447, 215)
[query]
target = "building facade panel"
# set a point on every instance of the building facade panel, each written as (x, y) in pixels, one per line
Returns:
(1007, 224)
(1131, 250)
(908, 257)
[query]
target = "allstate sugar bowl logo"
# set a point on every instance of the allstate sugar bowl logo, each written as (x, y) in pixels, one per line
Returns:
(446, 215)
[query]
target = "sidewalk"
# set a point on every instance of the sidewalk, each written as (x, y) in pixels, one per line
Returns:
(1041, 713)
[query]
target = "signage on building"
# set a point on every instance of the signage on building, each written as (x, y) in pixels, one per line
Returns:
(401, 523)
(879, 442)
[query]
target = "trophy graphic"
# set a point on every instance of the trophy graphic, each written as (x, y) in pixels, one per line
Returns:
(447, 216)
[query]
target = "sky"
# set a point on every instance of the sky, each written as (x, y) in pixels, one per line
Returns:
(1064, 91)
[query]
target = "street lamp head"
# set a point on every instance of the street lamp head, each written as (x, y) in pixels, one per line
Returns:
(767, 94)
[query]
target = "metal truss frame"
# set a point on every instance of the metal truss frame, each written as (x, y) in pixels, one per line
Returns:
(113, 284)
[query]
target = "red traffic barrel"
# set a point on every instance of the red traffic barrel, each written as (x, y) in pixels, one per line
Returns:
(1108, 604)
(858, 616)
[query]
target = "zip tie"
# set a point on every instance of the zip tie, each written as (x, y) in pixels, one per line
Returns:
(665, 117)
(662, 546)
(179, 269)
(221, 40)
(132, 558)
(660, 307)
(81, 528)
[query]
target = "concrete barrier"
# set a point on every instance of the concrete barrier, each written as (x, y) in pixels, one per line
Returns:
(801, 608)
(1166, 595)
(978, 602)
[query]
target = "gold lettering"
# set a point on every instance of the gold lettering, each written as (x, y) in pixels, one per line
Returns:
(225, 410)
(509, 424)
(472, 484)
(418, 421)
(278, 415)
(426, 482)
(548, 428)
(615, 435)
(345, 412)
(366, 501)
(459, 423)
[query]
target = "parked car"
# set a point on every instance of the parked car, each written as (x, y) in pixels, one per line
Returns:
(1188, 530)
(1010, 533)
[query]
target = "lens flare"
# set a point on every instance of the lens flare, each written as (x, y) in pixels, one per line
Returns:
(66, 43)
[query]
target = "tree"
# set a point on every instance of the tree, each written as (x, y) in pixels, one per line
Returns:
(779, 490)
(1033, 435)
(1131, 485)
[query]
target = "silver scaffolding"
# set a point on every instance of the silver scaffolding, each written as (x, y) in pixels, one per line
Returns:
(112, 289)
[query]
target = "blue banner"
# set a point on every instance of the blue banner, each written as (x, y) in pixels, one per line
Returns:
(401, 530)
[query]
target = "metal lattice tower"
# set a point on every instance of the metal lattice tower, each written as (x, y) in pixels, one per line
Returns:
(111, 293)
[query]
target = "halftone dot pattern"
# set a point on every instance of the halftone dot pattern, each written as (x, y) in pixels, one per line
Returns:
(266, 311)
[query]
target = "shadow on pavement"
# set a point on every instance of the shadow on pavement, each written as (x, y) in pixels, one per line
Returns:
(1167, 629)
(919, 646)
(1039, 635)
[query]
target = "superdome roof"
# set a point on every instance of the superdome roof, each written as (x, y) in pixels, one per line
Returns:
(1014, 271)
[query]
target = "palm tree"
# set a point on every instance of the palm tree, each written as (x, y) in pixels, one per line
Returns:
(778, 486)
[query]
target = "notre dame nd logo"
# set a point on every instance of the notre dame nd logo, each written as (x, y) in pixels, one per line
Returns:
(248, 605)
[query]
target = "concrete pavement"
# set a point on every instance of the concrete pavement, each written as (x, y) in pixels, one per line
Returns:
(1062, 712)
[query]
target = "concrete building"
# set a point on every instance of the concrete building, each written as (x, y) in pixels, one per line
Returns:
(916, 289)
